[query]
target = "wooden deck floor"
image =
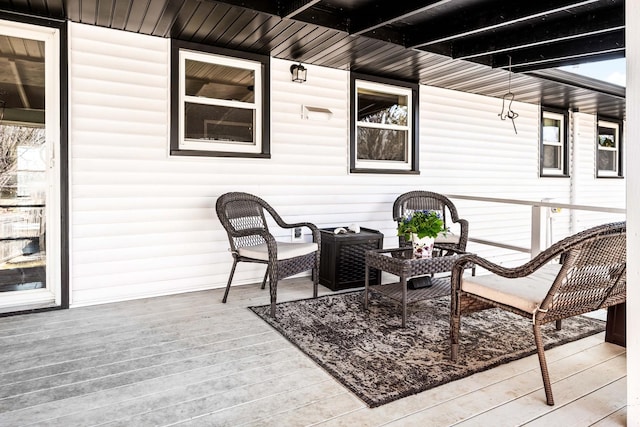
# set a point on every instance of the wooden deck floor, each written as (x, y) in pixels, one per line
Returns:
(190, 360)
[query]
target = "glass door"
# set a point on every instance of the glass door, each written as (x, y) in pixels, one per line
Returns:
(29, 140)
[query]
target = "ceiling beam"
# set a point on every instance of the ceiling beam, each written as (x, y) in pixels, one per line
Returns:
(565, 62)
(579, 81)
(479, 20)
(19, 86)
(21, 116)
(387, 34)
(265, 6)
(289, 9)
(384, 13)
(9, 56)
(552, 31)
(572, 50)
(300, 10)
(324, 18)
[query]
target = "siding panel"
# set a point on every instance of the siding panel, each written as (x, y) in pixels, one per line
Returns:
(143, 223)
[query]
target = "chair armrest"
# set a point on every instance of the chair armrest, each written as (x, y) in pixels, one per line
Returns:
(462, 222)
(464, 233)
(309, 225)
(462, 263)
(315, 231)
(558, 249)
(272, 246)
(509, 272)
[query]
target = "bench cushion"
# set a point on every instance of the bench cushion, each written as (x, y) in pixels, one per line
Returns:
(525, 293)
(286, 250)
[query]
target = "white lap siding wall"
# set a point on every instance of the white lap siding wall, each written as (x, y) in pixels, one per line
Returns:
(143, 222)
(587, 189)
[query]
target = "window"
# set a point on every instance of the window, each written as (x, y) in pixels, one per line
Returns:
(609, 150)
(554, 143)
(384, 125)
(218, 102)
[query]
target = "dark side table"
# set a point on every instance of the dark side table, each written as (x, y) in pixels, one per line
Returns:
(617, 325)
(342, 257)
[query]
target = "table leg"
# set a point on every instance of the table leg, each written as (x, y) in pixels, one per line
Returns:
(366, 286)
(403, 283)
(616, 332)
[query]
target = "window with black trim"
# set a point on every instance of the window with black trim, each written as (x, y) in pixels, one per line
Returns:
(609, 149)
(384, 125)
(219, 102)
(554, 142)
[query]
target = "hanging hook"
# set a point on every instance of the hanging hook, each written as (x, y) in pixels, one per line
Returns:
(509, 114)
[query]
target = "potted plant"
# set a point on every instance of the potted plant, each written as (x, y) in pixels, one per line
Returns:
(421, 228)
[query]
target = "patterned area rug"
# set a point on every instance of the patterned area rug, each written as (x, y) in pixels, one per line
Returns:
(371, 355)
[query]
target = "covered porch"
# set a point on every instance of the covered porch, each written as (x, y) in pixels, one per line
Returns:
(138, 222)
(162, 361)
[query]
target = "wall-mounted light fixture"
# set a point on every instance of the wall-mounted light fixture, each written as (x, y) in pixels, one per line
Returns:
(298, 73)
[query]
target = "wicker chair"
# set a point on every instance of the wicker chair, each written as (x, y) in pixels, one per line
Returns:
(242, 216)
(417, 200)
(591, 276)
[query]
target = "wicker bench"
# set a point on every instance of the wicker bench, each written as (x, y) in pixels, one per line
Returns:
(590, 276)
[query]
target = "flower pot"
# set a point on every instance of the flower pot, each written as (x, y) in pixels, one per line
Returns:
(422, 248)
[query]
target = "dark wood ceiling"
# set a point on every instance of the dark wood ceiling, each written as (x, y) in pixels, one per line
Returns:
(465, 45)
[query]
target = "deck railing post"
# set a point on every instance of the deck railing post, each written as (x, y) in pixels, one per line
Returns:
(536, 229)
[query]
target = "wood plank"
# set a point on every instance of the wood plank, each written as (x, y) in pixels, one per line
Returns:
(300, 406)
(311, 413)
(191, 360)
(217, 395)
(98, 404)
(601, 403)
(617, 419)
(531, 405)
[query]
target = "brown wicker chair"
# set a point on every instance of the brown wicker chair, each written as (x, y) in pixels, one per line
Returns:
(423, 200)
(592, 276)
(242, 216)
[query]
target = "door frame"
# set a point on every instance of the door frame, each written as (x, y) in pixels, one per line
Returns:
(56, 128)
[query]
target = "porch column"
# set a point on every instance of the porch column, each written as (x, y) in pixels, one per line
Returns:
(632, 172)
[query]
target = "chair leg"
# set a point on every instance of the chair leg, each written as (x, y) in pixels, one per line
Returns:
(537, 334)
(558, 324)
(455, 337)
(233, 270)
(273, 290)
(454, 329)
(264, 279)
(315, 277)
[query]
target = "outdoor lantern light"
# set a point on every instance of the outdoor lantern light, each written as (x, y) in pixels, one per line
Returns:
(298, 73)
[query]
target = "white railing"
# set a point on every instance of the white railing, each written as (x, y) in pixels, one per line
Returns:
(537, 218)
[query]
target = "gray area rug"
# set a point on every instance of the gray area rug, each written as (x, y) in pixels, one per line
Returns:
(370, 354)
